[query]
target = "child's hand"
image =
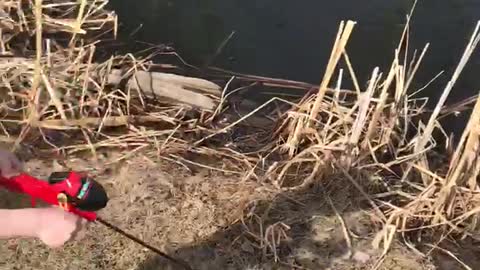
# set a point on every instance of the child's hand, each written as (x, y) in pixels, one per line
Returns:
(57, 226)
(9, 164)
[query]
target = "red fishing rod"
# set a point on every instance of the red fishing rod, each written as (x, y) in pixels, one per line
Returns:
(76, 193)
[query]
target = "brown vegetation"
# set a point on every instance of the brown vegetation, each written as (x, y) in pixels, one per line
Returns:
(370, 140)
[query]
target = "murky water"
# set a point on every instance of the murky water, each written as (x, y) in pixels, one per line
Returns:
(293, 39)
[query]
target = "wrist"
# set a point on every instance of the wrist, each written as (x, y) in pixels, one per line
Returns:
(19, 222)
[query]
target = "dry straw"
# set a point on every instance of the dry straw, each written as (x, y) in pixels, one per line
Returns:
(376, 132)
(55, 84)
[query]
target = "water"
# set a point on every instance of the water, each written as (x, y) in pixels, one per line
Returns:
(293, 39)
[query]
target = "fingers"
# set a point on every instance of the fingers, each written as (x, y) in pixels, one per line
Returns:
(15, 163)
(78, 226)
(80, 230)
(54, 241)
(10, 165)
(62, 227)
(9, 172)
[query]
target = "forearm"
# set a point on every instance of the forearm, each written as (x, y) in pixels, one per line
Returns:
(18, 222)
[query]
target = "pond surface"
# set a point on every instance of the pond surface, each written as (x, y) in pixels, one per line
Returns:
(293, 39)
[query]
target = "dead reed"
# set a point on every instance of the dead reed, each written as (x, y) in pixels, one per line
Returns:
(51, 84)
(373, 134)
(50, 81)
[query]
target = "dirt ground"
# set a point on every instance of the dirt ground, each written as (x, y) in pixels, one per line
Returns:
(212, 221)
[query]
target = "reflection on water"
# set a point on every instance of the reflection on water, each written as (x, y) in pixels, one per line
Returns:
(292, 39)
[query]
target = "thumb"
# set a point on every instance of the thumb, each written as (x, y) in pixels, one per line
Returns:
(54, 239)
(80, 229)
(9, 171)
(15, 163)
(6, 170)
(10, 165)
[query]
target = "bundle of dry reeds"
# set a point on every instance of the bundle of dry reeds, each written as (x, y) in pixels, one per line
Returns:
(445, 202)
(52, 82)
(353, 129)
(46, 64)
(375, 132)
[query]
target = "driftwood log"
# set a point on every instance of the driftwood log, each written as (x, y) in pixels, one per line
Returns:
(173, 88)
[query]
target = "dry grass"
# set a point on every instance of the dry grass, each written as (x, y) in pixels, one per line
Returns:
(376, 132)
(369, 137)
(53, 87)
(206, 219)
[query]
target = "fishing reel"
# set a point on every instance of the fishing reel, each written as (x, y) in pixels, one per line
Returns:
(80, 191)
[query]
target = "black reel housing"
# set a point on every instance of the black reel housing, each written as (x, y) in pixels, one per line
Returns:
(96, 198)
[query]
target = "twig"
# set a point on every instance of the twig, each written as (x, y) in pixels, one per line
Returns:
(449, 253)
(346, 231)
